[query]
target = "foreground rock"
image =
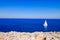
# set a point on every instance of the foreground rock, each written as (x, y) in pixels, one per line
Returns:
(53, 36)
(30, 36)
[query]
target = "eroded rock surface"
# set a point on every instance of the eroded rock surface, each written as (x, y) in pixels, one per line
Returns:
(30, 36)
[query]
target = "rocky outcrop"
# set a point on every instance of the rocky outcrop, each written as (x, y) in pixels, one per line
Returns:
(30, 36)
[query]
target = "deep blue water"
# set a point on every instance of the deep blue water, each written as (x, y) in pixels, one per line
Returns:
(29, 25)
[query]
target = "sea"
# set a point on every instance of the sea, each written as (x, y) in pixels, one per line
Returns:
(29, 25)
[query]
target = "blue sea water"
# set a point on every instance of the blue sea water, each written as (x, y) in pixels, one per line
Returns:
(29, 25)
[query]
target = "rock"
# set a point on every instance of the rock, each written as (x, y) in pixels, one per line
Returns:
(53, 36)
(39, 36)
(2, 36)
(30, 36)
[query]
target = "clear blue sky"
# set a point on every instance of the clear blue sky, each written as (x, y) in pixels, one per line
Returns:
(30, 9)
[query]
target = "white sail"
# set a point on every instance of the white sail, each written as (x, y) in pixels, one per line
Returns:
(45, 24)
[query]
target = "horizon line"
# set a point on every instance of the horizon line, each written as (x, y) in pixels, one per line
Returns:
(29, 18)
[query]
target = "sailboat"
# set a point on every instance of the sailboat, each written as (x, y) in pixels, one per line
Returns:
(45, 24)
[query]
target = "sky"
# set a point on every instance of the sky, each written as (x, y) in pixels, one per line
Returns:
(30, 9)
